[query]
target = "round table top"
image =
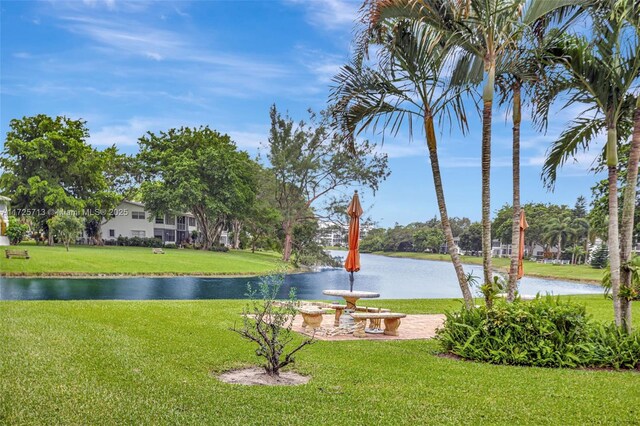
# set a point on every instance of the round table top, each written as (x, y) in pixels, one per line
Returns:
(354, 294)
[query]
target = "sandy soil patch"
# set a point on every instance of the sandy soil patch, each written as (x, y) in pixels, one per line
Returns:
(256, 376)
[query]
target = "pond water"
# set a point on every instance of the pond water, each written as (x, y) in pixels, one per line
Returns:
(393, 278)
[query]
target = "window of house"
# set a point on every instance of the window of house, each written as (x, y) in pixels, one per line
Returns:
(112, 232)
(192, 221)
(137, 215)
(140, 234)
(159, 219)
(169, 220)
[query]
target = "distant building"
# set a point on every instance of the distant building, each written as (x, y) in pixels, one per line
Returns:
(445, 247)
(131, 219)
(4, 220)
(331, 234)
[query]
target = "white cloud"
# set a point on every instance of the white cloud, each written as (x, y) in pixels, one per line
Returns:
(128, 132)
(330, 14)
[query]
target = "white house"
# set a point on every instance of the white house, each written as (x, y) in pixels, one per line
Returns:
(130, 219)
(4, 220)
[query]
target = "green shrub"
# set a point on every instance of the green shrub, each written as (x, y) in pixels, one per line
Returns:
(16, 231)
(544, 333)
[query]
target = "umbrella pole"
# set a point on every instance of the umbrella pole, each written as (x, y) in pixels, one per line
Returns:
(351, 281)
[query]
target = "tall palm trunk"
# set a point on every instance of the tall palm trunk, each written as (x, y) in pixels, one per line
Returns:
(444, 218)
(559, 247)
(515, 226)
(613, 243)
(487, 97)
(628, 213)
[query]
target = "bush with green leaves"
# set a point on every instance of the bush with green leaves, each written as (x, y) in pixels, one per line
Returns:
(631, 292)
(65, 228)
(544, 332)
(267, 322)
(16, 231)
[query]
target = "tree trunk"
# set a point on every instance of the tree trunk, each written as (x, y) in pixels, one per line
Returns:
(236, 227)
(628, 213)
(207, 229)
(559, 247)
(613, 243)
(288, 240)
(444, 218)
(515, 226)
(486, 173)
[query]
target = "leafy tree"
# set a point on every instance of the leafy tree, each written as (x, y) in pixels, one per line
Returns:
(16, 231)
(428, 239)
(458, 225)
(199, 170)
(374, 241)
(66, 228)
(48, 166)
(118, 171)
(471, 238)
(502, 223)
(263, 219)
(306, 250)
(309, 162)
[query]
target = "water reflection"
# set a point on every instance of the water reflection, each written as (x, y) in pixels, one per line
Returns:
(393, 278)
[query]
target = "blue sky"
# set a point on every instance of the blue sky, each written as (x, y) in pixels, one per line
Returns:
(130, 67)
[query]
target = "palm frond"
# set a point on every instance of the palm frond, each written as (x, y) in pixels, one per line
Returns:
(575, 138)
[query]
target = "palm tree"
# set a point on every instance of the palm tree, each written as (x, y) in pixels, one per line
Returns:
(558, 230)
(601, 73)
(576, 251)
(485, 32)
(408, 83)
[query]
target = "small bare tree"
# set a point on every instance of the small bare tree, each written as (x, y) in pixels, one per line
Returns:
(268, 323)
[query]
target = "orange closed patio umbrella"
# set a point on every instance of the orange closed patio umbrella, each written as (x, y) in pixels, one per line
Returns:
(523, 225)
(352, 263)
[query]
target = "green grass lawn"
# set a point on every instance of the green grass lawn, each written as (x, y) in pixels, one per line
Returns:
(93, 260)
(150, 362)
(568, 272)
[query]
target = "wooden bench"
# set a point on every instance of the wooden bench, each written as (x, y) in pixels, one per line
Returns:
(158, 251)
(340, 309)
(391, 322)
(312, 316)
(17, 253)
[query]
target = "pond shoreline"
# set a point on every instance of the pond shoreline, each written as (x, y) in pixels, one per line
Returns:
(84, 275)
(495, 269)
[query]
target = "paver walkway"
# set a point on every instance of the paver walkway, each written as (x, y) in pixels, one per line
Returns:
(412, 327)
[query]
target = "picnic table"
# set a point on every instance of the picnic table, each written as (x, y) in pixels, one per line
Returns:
(351, 297)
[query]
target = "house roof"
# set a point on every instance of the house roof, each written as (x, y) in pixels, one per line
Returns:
(135, 203)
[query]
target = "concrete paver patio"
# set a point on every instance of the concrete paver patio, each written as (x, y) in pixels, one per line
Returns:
(412, 327)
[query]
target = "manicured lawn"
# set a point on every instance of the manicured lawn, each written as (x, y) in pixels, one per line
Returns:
(136, 260)
(569, 272)
(150, 363)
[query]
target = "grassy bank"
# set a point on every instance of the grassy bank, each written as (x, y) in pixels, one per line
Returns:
(565, 272)
(90, 260)
(151, 363)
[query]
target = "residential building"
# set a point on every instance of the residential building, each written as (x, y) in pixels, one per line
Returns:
(131, 219)
(4, 220)
(331, 234)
